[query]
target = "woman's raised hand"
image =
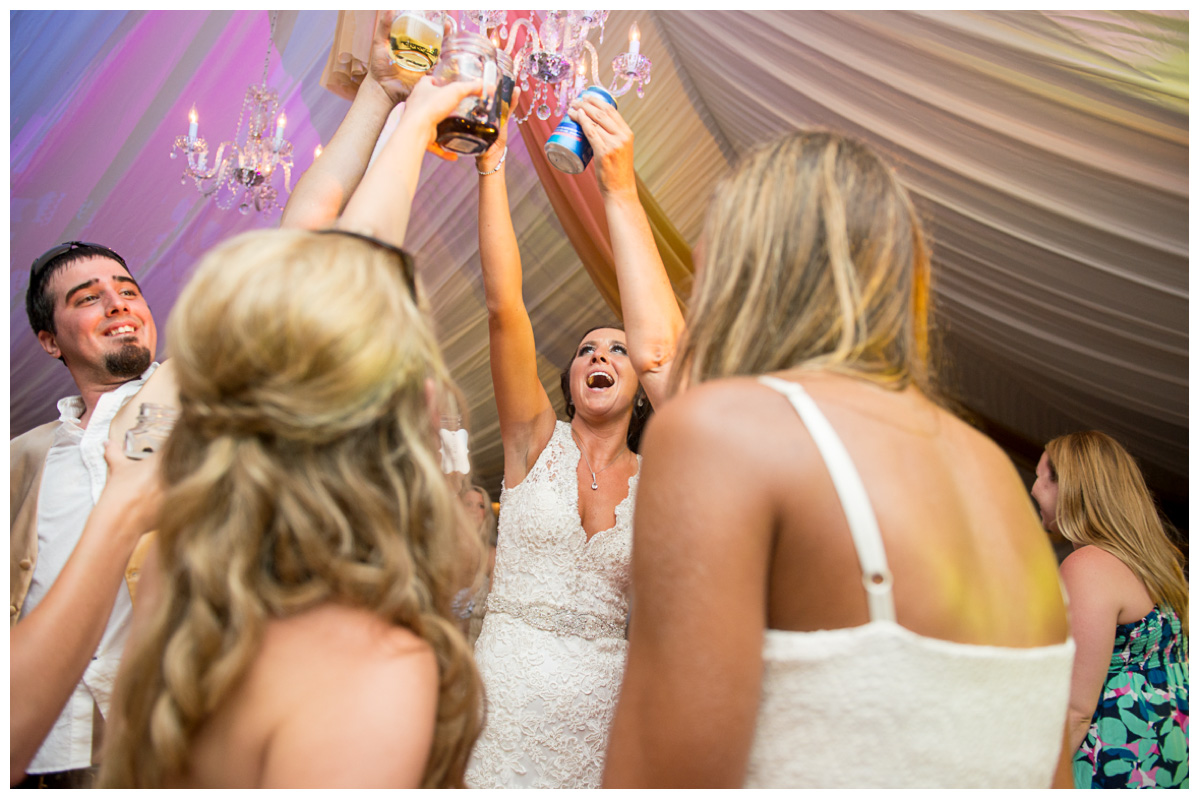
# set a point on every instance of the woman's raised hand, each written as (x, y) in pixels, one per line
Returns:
(612, 144)
(430, 103)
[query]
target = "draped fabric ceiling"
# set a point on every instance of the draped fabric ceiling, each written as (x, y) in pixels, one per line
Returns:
(1048, 152)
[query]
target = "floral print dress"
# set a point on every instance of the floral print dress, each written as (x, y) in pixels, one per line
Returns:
(1139, 733)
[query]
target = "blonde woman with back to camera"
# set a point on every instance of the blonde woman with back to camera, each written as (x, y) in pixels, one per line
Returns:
(296, 625)
(1127, 726)
(836, 582)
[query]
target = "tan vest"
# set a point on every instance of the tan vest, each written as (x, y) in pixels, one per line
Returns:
(27, 455)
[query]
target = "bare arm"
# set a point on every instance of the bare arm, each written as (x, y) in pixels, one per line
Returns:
(653, 321)
(326, 186)
(690, 695)
(52, 647)
(324, 189)
(381, 204)
(525, 412)
(1094, 606)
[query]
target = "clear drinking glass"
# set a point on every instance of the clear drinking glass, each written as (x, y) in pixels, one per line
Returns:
(416, 38)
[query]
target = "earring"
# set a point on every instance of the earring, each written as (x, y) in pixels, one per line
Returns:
(641, 402)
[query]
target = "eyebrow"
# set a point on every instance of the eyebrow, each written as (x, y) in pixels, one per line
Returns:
(93, 281)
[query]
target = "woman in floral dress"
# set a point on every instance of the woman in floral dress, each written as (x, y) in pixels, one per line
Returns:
(1128, 722)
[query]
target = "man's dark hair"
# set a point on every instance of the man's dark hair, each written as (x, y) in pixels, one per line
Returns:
(39, 305)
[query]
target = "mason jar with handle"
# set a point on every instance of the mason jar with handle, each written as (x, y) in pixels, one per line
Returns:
(474, 125)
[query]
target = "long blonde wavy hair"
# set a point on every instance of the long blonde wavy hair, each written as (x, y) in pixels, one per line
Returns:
(814, 256)
(1103, 501)
(303, 470)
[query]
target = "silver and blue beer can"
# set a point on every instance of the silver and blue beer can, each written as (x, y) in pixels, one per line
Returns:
(567, 148)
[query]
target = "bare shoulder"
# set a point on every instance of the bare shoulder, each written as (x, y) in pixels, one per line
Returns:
(284, 723)
(1099, 583)
(719, 412)
(338, 663)
(346, 638)
(704, 452)
(1090, 563)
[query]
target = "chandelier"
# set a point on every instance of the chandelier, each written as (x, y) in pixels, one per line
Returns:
(243, 170)
(555, 57)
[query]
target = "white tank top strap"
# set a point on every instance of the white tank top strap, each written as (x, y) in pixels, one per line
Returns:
(877, 578)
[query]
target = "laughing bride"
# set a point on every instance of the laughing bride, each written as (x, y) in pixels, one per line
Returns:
(552, 649)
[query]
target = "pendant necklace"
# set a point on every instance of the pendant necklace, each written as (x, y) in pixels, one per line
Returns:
(583, 452)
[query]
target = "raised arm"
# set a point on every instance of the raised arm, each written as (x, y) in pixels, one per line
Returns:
(51, 648)
(653, 321)
(526, 414)
(381, 204)
(693, 677)
(325, 187)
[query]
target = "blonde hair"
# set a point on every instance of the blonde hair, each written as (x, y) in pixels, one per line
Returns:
(814, 256)
(1103, 501)
(303, 470)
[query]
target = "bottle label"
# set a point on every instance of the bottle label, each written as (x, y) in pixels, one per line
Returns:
(413, 55)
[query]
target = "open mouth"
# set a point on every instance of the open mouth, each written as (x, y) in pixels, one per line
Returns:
(599, 380)
(123, 330)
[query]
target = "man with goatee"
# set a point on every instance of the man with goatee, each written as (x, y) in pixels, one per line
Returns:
(88, 312)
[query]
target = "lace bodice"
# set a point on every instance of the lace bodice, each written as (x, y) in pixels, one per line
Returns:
(543, 555)
(552, 649)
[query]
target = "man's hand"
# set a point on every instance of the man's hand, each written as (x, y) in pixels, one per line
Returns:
(612, 145)
(488, 159)
(396, 82)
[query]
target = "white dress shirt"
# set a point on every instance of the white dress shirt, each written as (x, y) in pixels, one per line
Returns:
(73, 479)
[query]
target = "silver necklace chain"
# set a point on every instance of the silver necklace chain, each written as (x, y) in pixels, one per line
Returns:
(587, 461)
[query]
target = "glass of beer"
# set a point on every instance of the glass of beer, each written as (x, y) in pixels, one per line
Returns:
(416, 38)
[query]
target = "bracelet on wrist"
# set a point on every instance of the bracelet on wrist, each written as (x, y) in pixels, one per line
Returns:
(496, 168)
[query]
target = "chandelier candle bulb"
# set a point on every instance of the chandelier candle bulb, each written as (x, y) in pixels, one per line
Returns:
(243, 166)
(635, 40)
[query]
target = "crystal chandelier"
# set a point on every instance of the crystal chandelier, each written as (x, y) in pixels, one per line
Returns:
(555, 56)
(244, 169)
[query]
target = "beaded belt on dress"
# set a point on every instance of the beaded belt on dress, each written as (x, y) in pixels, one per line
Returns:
(558, 620)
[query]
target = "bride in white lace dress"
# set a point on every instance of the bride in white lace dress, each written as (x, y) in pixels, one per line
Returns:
(552, 649)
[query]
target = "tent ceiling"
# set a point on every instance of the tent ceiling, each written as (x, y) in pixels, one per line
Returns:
(1047, 151)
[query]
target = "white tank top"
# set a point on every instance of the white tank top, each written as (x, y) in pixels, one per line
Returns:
(880, 706)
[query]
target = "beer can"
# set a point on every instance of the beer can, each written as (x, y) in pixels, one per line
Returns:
(567, 148)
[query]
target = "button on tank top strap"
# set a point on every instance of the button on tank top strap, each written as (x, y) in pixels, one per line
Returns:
(864, 529)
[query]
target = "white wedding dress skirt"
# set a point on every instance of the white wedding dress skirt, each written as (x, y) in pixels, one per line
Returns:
(552, 649)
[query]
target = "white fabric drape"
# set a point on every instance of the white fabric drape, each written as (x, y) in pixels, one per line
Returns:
(1048, 152)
